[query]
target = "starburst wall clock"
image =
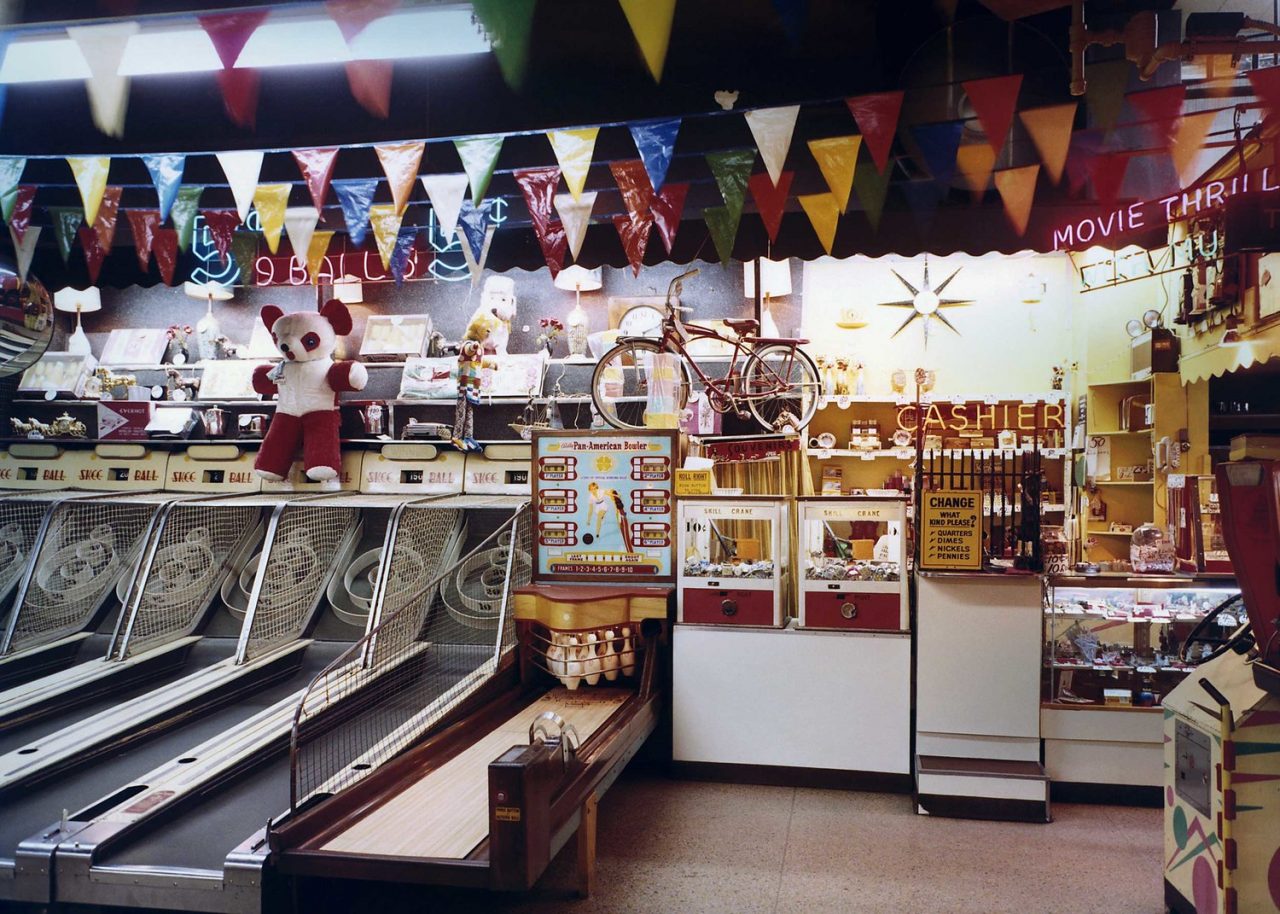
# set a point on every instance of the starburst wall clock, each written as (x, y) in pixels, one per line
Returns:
(926, 303)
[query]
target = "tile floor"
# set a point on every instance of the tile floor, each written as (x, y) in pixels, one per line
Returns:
(681, 846)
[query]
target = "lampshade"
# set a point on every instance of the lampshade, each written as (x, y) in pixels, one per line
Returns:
(206, 290)
(83, 301)
(574, 278)
(1231, 336)
(775, 278)
(348, 290)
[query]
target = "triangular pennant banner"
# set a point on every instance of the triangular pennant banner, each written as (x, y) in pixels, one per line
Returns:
(1017, 187)
(142, 225)
(824, 214)
(1266, 85)
(634, 235)
(650, 22)
(271, 200)
(222, 225)
(385, 220)
(300, 224)
(166, 174)
(1086, 146)
(722, 225)
(938, 144)
(25, 249)
(445, 193)
(353, 16)
(103, 49)
(400, 255)
(872, 187)
(1104, 91)
(1161, 107)
(475, 264)
(242, 170)
(923, 198)
(575, 215)
(877, 118)
(668, 206)
(772, 129)
(994, 100)
(473, 224)
(230, 32)
(479, 155)
(633, 184)
(1188, 138)
(974, 163)
(656, 143)
(509, 24)
(732, 170)
(23, 206)
(1108, 175)
(91, 178)
(356, 196)
(165, 247)
(94, 253)
(104, 227)
(837, 159)
(244, 250)
(10, 174)
(316, 166)
(573, 150)
(400, 163)
(370, 84)
(1050, 132)
(538, 185)
(184, 213)
(316, 249)
(66, 223)
(771, 200)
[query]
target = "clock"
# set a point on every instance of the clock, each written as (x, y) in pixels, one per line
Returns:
(641, 320)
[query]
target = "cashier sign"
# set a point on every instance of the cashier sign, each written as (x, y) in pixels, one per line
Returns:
(952, 530)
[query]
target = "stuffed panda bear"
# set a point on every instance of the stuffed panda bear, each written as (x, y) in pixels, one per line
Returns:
(306, 383)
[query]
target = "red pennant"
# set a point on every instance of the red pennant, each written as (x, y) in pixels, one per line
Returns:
(22, 208)
(770, 200)
(1162, 107)
(104, 227)
(222, 225)
(353, 16)
(1108, 175)
(240, 96)
(230, 32)
(1086, 146)
(877, 118)
(539, 188)
(94, 253)
(633, 182)
(370, 82)
(164, 245)
(635, 237)
(1266, 85)
(316, 166)
(143, 224)
(994, 101)
(668, 206)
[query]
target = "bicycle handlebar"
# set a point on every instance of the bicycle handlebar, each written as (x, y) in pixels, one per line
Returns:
(677, 286)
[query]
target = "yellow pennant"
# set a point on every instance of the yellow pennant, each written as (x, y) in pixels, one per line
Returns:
(823, 211)
(974, 164)
(574, 149)
(650, 22)
(386, 226)
(837, 158)
(271, 201)
(1050, 132)
(1017, 188)
(91, 178)
(316, 250)
(1188, 137)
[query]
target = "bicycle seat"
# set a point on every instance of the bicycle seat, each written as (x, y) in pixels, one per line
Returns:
(742, 327)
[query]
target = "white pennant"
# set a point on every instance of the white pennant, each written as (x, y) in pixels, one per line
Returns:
(300, 225)
(103, 49)
(446, 193)
(242, 170)
(26, 249)
(575, 215)
(476, 266)
(772, 129)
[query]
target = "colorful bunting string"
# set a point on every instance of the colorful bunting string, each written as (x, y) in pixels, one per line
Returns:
(837, 159)
(823, 211)
(656, 143)
(102, 47)
(10, 174)
(575, 215)
(877, 117)
(184, 213)
(1050, 132)
(573, 151)
(316, 166)
(166, 174)
(400, 163)
(91, 177)
(994, 101)
(66, 224)
(165, 246)
(650, 22)
(23, 206)
(24, 248)
(385, 220)
(356, 197)
(732, 170)
(667, 208)
(771, 200)
(142, 225)
(1017, 188)
(230, 32)
(242, 170)
(634, 234)
(772, 129)
(446, 193)
(479, 156)
(271, 200)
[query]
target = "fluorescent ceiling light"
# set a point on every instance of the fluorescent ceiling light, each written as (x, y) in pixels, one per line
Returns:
(284, 40)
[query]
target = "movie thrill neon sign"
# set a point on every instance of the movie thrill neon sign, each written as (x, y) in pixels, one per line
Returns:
(1166, 210)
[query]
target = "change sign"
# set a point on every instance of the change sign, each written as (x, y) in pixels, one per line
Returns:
(952, 531)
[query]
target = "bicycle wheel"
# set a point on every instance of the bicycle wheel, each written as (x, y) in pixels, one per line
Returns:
(621, 380)
(782, 387)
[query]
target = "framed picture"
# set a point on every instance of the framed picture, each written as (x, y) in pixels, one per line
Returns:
(1268, 286)
(229, 379)
(394, 337)
(135, 347)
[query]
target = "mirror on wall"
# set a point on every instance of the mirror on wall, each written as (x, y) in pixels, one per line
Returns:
(26, 321)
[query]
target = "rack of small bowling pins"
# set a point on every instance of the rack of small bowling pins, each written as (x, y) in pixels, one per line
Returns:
(591, 656)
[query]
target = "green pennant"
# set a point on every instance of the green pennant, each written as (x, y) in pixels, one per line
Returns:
(10, 175)
(732, 170)
(183, 213)
(723, 226)
(871, 188)
(244, 250)
(479, 154)
(509, 24)
(66, 222)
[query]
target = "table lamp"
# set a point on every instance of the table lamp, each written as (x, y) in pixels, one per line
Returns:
(207, 327)
(78, 301)
(579, 280)
(348, 290)
(775, 282)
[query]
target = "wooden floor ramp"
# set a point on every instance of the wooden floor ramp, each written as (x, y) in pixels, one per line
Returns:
(976, 788)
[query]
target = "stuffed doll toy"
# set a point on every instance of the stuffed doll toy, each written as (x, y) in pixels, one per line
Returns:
(307, 383)
(496, 310)
(471, 362)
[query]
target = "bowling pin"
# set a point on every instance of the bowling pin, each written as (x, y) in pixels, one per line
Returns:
(627, 659)
(609, 660)
(573, 668)
(555, 659)
(591, 666)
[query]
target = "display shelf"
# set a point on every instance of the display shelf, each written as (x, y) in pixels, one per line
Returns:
(1119, 432)
(1132, 382)
(906, 453)
(1108, 533)
(1123, 482)
(845, 401)
(1063, 706)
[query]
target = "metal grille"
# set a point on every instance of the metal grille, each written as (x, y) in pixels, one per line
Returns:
(179, 577)
(307, 542)
(86, 547)
(400, 680)
(19, 522)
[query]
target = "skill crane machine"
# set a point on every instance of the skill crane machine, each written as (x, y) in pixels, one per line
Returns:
(1222, 723)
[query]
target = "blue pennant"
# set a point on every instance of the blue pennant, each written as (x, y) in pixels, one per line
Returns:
(656, 143)
(938, 145)
(474, 222)
(356, 196)
(166, 175)
(400, 254)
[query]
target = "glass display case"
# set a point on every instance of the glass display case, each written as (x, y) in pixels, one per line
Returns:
(1114, 640)
(735, 561)
(854, 571)
(1197, 518)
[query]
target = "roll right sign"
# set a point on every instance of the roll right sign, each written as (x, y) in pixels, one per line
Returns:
(951, 525)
